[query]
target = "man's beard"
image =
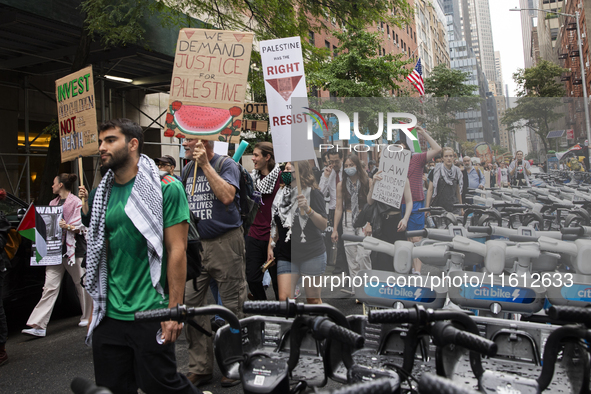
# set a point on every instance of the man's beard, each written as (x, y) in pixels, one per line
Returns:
(117, 160)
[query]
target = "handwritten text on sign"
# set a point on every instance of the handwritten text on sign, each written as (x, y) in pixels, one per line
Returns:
(77, 115)
(208, 86)
(394, 167)
(211, 66)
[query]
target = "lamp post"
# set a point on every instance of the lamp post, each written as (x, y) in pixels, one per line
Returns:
(583, 77)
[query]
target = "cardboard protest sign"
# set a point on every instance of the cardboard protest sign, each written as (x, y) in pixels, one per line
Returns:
(47, 225)
(208, 86)
(394, 167)
(77, 114)
(283, 71)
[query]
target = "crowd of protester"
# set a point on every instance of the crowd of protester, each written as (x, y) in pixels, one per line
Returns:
(131, 233)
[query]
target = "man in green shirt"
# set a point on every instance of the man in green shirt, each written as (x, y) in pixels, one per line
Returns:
(136, 261)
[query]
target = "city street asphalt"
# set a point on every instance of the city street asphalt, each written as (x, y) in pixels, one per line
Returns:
(48, 365)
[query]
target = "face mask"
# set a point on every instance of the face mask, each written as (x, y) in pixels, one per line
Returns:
(286, 177)
(351, 171)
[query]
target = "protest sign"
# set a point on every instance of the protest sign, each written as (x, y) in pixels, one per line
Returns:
(394, 167)
(47, 224)
(283, 71)
(208, 87)
(77, 114)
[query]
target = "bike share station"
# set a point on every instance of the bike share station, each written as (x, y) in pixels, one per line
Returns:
(508, 311)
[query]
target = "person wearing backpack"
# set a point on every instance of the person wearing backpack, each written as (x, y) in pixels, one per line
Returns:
(473, 177)
(266, 177)
(215, 200)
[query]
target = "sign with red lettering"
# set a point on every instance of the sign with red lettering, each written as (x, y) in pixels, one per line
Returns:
(570, 134)
(208, 86)
(77, 115)
(283, 70)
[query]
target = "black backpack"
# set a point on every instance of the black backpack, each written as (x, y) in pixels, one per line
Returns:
(194, 247)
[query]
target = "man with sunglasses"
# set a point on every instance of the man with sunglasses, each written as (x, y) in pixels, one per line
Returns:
(167, 164)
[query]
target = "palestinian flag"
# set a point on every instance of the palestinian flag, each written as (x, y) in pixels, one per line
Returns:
(33, 227)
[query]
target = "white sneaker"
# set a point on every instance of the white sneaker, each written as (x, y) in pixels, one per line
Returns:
(36, 332)
(83, 323)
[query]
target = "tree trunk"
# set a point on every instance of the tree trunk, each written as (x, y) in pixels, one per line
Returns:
(53, 159)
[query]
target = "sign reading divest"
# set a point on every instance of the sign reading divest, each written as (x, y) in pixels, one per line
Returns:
(208, 86)
(283, 70)
(394, 167)
(77, 114)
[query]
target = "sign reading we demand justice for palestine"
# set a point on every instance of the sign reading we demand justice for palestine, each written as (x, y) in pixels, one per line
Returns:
(208, 86)
(394, 167)
(77, 114)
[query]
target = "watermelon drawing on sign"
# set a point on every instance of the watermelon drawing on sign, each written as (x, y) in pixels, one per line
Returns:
(196, 120)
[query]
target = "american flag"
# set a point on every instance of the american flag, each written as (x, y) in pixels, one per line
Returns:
(416, 78)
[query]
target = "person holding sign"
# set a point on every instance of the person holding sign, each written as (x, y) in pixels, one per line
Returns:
(73, 250)
(388, 225)
(296, 242)
(266, 176)
(447, 181)
(215, 199)
(351, 199)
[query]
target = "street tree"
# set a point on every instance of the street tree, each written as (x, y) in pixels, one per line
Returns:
(125, 22)
(357, 69)
(450, 94)
(539, 99)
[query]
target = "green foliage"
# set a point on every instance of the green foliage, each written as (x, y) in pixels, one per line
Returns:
(540, 81)
(451, 95)
(467, 148)
(539, 96)
(357, 70)
(445, 82)
(287, 18)
(120, 22)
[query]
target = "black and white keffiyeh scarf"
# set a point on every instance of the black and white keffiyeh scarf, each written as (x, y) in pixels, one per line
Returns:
(448, 176)
(144, 209)
(285, 206)
(353, 189)
(266, 184)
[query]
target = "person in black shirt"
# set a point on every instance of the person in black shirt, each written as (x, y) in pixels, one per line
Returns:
(447, 181)
(298, 253)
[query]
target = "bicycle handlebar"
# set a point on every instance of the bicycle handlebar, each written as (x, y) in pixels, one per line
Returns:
(416, 233)
(432, 384)
(352, 238)
(329, 329)
(289, 308)
(182, 313)
(378, 386)
(444, 333)
(571, 314)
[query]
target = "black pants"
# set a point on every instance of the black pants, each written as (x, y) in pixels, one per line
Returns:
(256, 255)
(341, 262)
(381, 261)
(127, 357)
